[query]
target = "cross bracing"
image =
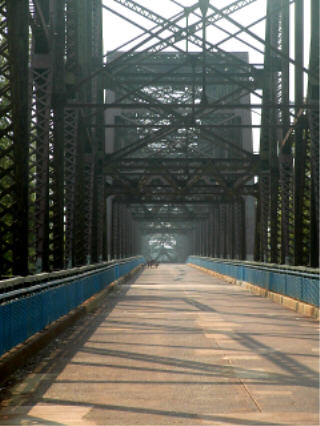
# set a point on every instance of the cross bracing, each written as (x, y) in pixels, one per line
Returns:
(157, 138)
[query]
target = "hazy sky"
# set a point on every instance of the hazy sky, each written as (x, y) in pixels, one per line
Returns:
(117, 31)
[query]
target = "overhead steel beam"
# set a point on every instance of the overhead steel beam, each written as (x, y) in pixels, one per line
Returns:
(272, 47)
(183, 126)
(199, 107)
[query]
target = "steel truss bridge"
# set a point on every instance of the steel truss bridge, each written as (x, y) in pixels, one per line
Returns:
(149, 148)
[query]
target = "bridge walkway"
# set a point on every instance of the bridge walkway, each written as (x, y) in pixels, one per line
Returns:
(173, 346)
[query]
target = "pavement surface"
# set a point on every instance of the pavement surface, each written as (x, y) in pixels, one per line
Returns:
(173, 346)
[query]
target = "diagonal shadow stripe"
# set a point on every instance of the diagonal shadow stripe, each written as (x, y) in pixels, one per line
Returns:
(176, 414)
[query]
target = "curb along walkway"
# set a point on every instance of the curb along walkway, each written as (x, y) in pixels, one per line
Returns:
(175, 346)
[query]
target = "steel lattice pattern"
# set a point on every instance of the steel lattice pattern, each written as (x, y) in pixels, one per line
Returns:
(6, 154)
(149, 148)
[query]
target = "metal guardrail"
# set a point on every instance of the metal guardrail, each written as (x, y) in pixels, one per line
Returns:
(25, 311)
(300, 283)
(17, 282)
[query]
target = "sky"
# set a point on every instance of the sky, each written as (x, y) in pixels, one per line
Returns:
(118, 32)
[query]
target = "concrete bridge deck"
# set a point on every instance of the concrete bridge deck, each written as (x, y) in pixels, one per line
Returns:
(174, 346)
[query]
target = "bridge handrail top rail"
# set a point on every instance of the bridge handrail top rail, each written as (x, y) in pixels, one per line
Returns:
(307, 272)
(50, 278)
(4, 297)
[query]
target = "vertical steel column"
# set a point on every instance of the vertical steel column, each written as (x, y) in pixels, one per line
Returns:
(206, 237)
(99, 220)
(264, 183)
(285, 156)
(264, 192)
(300, 148)
(115, 232)
(227, 224)
(57, 186)
(285, 75)
(313, 118)
(258, 229)
(131, 251)
(97, 133)
(269, 178)
(229, 229)
(19, 54)
(78, 236)
(109, 227)
(275, 96)
(210, 233)
(233, 230)
(286, 180)
(203, 236)
(237, 230)
(88, 192)
(127, 232)
(7, 178)
(123, 230)
(120, 231)
(42, 85)
(123, 222)
(138, 239)
(86, 153)
(130, 235)
(14, 134)
(200, 238)
(71, 124)
(134, 236)
(88, 46)
(193, 241)
(242, 233)
(223, 227)
(219, 231)
(216, 232)
(70, 156)
(197, 240)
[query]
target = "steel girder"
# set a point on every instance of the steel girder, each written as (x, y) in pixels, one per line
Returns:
(183, 179)
(124, 232)
(153, 179)
(313, 120)
(14, 131)
(48, 154)
(172, 25)
(287, 221)
(175, 161)
(286, 193)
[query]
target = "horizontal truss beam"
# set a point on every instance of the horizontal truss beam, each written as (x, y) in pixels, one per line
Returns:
(149, 106)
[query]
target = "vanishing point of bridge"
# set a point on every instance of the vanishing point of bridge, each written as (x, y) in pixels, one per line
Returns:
(182, 131)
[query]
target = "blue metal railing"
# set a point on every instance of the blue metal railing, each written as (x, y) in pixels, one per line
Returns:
(299, 283)
(25, 311)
